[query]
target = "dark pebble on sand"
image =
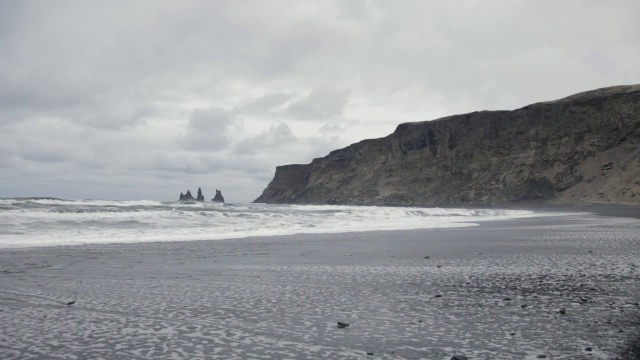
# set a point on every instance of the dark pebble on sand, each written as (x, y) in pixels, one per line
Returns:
(459, 357)
(426, 257)
(507, 299)
(588, 349)
(562, 311)
(523, 306)
(438, 296)
(369, 354)
(439, 266)
(541, 356)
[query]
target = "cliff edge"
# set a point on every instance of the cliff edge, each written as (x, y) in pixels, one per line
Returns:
(584, 148)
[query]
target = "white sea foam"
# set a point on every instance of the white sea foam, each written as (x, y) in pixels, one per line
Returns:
(48, 222)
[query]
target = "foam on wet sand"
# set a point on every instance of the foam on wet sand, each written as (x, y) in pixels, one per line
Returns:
(501, 288)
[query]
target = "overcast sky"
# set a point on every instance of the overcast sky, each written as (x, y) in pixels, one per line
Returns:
(145, 99)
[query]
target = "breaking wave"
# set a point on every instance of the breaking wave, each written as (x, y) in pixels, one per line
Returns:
(26, 222)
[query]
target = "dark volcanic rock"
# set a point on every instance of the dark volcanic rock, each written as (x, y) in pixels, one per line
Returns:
(218, 197)
(459, 357)
(186, 196)
(200, 196)
(581, 149)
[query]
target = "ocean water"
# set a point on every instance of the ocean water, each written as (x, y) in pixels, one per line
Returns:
(51, 222)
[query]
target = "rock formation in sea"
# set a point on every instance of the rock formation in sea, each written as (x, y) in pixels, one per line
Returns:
(187, 196)
(200, 196)
(218, 197)
(583, 148)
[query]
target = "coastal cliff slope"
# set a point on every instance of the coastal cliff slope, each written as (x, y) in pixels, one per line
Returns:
(584, 148)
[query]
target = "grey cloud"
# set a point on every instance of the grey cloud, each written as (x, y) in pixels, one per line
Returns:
(269, 103)
(44, 153)
(322, 103)
(207, 130)
(331, 128)
(278, 135)
(204, 163)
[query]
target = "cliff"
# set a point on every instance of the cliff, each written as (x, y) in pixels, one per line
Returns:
(581, 149)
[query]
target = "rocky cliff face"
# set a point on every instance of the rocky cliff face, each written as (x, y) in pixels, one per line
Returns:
(581, 149)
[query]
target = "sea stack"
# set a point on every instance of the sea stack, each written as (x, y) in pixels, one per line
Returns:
(218, 198)
(187, 196)
(200, 196)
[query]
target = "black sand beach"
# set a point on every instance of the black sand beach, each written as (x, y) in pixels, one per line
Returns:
(566, 287)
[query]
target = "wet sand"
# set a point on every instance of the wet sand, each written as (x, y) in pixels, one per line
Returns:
(552, 286)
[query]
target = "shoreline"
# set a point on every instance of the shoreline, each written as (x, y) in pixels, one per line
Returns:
(604, 211)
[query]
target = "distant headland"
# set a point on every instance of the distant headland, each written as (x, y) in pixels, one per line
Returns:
(188, 197)
(581, 149)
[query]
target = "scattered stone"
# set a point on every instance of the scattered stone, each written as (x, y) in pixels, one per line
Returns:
(541, 356)
(507, 299)
(438, 296)
(439, 266)
(523, 306)
(342, 325)
(70, 303)
(588, 348)
(426, 257)
(459, 357)
(369, 354)
(562, 311)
